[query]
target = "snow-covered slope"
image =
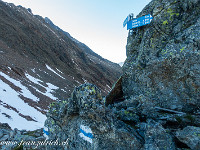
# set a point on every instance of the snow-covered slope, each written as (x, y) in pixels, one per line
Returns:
(13, 109)
(22, 99)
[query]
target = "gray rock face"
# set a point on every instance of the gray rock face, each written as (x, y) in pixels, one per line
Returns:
(86, 123)
(161, 75)
(156, 137)
(163, 57)
(191, 136)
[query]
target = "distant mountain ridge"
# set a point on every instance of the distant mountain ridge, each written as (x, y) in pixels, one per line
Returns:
(40, 63)
(80, 44)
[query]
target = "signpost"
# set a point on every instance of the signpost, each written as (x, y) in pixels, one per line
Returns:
(144, 20)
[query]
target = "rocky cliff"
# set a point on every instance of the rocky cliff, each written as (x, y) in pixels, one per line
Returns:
(155, 105)
(163, 58)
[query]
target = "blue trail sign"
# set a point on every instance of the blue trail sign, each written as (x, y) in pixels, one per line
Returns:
(144, 20)
(128, 18)
(125, 21)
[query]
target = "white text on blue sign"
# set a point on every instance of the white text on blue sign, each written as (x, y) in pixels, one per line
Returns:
(144, 20)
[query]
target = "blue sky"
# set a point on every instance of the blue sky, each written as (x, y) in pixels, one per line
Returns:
(97, 23)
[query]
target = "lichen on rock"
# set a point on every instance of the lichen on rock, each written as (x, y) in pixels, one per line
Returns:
(85, 122)
(163, 57)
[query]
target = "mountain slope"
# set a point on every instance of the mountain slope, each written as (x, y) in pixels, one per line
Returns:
(40, 64)
(80, 44)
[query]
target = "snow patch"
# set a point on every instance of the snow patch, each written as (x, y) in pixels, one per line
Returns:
(54, 71)
(85, 81)
(33, 70)
(20, 122)
(108, 87)
(34, 80)
(10, 97)
(24, 90)
(49, 90)
(59, 71)
(78, 82)
(63, 90)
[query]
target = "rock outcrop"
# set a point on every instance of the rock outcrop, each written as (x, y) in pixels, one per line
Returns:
(86, 123)
(191, 136)
(163, 57)
(162, 72)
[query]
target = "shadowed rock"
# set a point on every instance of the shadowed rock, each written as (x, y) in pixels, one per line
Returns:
(191, 136)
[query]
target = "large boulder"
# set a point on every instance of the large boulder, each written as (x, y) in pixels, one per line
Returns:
(85, 123)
